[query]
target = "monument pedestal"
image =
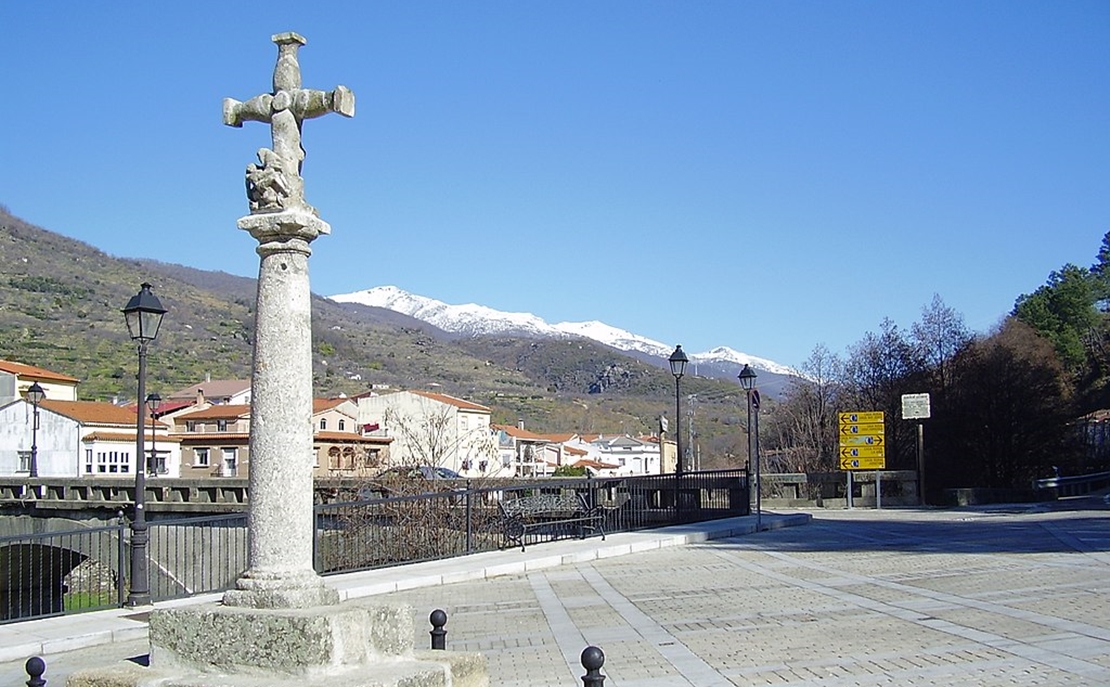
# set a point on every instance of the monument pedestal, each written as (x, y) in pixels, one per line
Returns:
(346, 644)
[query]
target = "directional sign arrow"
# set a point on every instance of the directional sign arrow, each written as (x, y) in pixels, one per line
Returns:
(862, 440)
(869, 428)
(862, 417)
(862, 452)
(862, 463)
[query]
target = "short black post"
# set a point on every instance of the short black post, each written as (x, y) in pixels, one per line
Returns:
(35, 667)
(439, 635)
(592, 660)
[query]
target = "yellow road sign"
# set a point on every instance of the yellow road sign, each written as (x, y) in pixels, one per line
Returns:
(862, 463)
(866, 417)
(862, 440)
(870, 428)
(862, 452)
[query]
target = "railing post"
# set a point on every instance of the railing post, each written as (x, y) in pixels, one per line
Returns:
(316, 539)
(35, 667)
(592, 660)
(438, 619)
(121, 562)
(469, 518)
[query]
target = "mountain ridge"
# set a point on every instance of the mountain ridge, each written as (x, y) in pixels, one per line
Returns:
(472, 319)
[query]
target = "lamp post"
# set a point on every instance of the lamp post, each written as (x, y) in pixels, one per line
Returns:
(144, 316)
(154, 402)
(35, 395)
(747, 381)
(678, 362)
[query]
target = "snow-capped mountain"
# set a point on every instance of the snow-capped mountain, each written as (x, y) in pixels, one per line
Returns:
(478, 320)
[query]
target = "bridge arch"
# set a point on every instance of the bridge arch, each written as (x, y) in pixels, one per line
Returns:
(38, 556)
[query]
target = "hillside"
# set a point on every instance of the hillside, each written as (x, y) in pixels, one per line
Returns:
(60, 302)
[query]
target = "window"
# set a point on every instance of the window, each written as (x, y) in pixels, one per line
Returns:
(221, 425)
(158, 463)
(342, 425)
(323, 423)
(373, 457)
(190, 425)
(231, 462)
(24, 461)
(200, 457)
(88, 461)
(111, 461)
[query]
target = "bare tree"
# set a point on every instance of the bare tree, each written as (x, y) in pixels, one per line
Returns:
(937, 338)
(803, 430)
(432, 436)
(881, 368)
(1010, 414)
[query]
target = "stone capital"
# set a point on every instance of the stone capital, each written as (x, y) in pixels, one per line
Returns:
(290, 226)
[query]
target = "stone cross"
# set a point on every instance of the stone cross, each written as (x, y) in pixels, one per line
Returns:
(275, 183)
(281, 518)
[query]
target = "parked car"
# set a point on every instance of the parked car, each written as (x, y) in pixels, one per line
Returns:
(420, 472)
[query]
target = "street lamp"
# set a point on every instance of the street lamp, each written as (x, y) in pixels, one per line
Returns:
(154, 402)
(35, 395)
(747, 381)
(144, 316)
(678, 362)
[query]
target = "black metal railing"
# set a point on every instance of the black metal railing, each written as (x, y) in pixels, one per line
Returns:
(49, 573)
(462, 519)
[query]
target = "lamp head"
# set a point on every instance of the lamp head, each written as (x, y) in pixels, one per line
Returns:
(678, 362)
(747, 377)
(144, 314)
(35, 393)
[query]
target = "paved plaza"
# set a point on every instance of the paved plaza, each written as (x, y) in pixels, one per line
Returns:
(855, 598)
(907, 597)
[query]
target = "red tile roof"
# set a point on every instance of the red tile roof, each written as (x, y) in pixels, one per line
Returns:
(349, 437)
(214, 388)
(93, 412)
(451, 400)
(514, 431)
(101, 435)
(319, 405)
(22, 370)
(218, 412)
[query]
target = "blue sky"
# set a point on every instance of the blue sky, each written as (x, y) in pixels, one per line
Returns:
(767, 176)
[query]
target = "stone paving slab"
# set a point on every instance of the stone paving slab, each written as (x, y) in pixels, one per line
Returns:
(907, 597)
(855, 598)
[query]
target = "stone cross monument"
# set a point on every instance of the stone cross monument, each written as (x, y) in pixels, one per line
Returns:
(280, 573)
(281, 626)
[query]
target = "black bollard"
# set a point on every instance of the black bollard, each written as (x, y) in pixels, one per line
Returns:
(439, 635)
(35, 667)
(592, 660)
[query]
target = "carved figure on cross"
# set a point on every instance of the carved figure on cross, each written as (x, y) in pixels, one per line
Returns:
(275, 184)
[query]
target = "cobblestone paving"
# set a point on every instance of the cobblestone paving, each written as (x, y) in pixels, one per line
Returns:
(857, 598)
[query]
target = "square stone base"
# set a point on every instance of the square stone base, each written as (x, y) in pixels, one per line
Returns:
(346, 645)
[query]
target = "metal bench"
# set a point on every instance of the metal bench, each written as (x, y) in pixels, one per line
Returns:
(554, 513)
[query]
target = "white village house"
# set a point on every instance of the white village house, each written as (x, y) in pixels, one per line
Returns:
(435, 429)
(82, 438)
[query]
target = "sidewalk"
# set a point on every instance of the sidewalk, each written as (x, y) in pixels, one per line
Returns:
(56, 635)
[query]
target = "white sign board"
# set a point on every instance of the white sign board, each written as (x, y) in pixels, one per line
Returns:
(915, 406)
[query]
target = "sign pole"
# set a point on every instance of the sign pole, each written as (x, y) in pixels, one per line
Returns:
(918, 407)
(849, 473)
(878, 490)
(921, 463)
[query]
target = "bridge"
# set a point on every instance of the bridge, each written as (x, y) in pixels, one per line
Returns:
(198, 528)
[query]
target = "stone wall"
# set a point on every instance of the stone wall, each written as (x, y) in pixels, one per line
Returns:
(828, 489)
